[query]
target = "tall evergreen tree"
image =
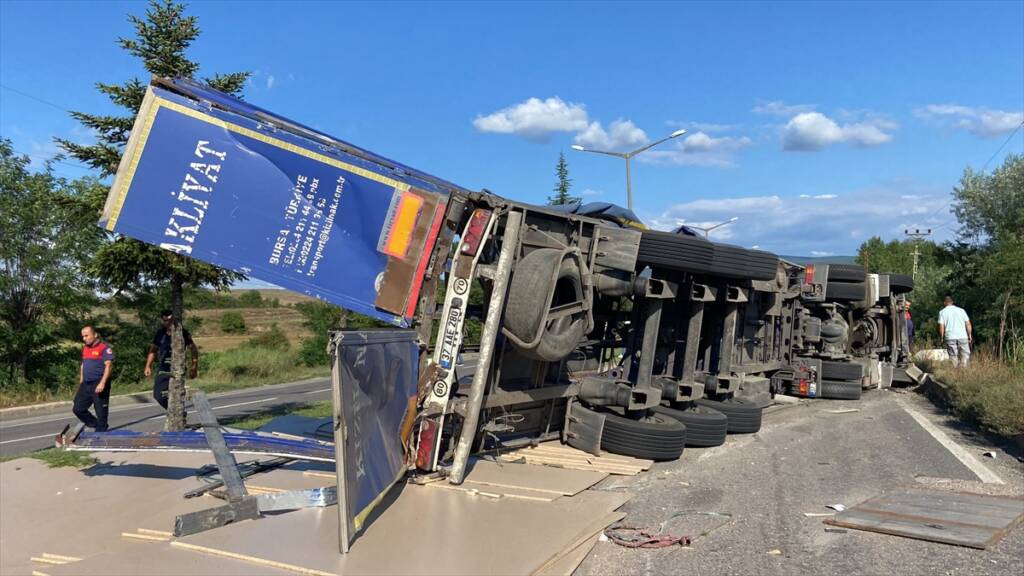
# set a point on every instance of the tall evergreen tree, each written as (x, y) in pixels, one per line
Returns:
(161, 40)
(562, 195)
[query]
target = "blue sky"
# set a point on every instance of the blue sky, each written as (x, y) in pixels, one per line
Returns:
(817, 124)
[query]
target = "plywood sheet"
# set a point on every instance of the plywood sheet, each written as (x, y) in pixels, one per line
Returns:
(496, 536)
(544, 478)
(569, 562)
(959, 518)
(564, 456)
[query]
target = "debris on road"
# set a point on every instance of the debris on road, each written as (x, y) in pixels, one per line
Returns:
(818, 514)
(775, 552)
(837, 507)
(958, 518)
(990, 454)
(843, 411)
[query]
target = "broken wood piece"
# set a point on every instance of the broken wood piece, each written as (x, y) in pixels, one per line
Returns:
(50, 561)
(38, 573)
(517, 493)
(61, 557)
(574, 464)
(818, 514)
(254, 560)
(843, 410)
(163, 533)
(146, 537)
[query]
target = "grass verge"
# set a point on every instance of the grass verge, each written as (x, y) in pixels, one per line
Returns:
(55, 458)
(987, 391)
(257, 419)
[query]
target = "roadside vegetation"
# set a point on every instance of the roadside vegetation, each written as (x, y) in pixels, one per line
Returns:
(987, 392)
(56, 458)
(253, 421)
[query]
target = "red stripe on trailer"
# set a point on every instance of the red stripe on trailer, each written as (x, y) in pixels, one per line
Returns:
(414, 293)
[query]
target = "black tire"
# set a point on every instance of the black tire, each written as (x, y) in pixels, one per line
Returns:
(840, 390)
(705, 426)
(842, 370)
(528, 300)
(655, 437)
(845, 291)
(846, 273)
(738, 262)
(744, 416)
(900, 283)
(675, 252)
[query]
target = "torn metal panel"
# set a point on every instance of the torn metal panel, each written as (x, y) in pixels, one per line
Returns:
(958, 518)
(195, 441)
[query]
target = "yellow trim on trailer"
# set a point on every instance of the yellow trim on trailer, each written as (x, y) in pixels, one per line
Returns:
(124, 181)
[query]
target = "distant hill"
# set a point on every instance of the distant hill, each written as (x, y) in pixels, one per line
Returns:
(821, 259)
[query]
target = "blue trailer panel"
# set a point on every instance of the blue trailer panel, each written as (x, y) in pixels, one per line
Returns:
(262, 199)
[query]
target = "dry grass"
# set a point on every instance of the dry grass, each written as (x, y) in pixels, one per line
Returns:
(210, 337)
(987, 391)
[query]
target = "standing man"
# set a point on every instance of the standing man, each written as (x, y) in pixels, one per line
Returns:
(94, 380)
(910, 323)
(956, 331)
(162, 345)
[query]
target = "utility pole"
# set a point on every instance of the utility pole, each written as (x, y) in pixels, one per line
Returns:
(917, 235)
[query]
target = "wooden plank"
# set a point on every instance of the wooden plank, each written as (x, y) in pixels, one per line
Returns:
(1006, 508)
(61, 557)
(590, 531)
(561, 480)
(574, 464)
(499, 492)
(252, 559)
(972, 537)
(931, 513)
(577, 455)
(163, 533)
(147, 537)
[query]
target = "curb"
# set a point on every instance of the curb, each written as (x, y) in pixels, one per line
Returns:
(16, 412)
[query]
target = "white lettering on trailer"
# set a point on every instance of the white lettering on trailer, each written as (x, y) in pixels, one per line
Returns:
(186, 218)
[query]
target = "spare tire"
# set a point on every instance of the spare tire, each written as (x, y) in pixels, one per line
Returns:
(535, 288)
(675, 252)
(846, 273)
(744, 416)
(656, 436)
(845, 291)
(842, 370)
(704, 426)
(840, 389)
(900, 283)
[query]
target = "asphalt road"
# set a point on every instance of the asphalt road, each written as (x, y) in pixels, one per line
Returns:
(804, 459)
(37, 431)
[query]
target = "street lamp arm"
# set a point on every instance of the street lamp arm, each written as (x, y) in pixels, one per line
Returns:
(616, 154)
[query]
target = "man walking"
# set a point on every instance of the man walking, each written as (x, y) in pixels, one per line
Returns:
(910, 323)
(956, 331)
(162, 345)
(94, 380)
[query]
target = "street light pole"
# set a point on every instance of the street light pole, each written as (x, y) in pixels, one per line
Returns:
(710, 228)
(627, 156)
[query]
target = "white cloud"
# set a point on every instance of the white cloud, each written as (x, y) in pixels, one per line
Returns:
(270, 81)
(709, 127)
(780, 108)
(983, 122)
(811, 131)
(590, 192)
(835, 223)
(621, 135)
(700, 149)
(535, 119)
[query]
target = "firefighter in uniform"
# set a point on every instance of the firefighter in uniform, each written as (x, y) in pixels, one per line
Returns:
(94, 380)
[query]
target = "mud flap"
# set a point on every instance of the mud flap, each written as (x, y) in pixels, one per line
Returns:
(583, 428)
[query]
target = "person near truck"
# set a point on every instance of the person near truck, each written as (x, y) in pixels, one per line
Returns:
(94, 380)
(910, 323)
(956, 332)
(161, 346)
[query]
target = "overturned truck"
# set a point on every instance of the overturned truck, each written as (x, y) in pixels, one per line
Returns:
(595, 330)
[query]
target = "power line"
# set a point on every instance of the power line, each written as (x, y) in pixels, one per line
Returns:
(1005, 142)
(36, 98)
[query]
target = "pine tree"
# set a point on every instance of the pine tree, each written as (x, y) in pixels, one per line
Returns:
(161, 40)
(564, 183)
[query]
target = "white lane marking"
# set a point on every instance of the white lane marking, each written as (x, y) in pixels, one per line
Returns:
(966, 458)
(317, 391)
(242, 403)
(50, 435)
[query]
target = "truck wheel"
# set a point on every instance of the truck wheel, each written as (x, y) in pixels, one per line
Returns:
(737, 262)
(534, 289)
(655, 436)
(849, 291)
(675, 251)
(900, 283)
(704, 426)
(842, 370)
(846, 273)
(840, 390)
(744, 416)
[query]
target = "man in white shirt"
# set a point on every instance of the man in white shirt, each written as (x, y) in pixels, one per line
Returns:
(956, 332)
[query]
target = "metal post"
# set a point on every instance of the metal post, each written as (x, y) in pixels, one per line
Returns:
(226, 464)
(340, 434)
(629, 186)
(487, 344)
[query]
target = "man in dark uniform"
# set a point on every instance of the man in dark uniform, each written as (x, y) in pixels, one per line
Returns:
(94, 380)
(162, 345)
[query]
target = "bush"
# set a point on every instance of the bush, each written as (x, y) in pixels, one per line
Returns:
(987, 391)
(314, 350)
(250, 362)
(273, 339)
(251, 299)
(232, 323)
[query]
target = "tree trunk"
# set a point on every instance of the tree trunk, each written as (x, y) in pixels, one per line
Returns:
(176, 389)
(1002, 322)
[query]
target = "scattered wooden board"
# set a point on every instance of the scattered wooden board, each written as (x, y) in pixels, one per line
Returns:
(497, 491)
(566, 482)
(561, 455)
(958, 518)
